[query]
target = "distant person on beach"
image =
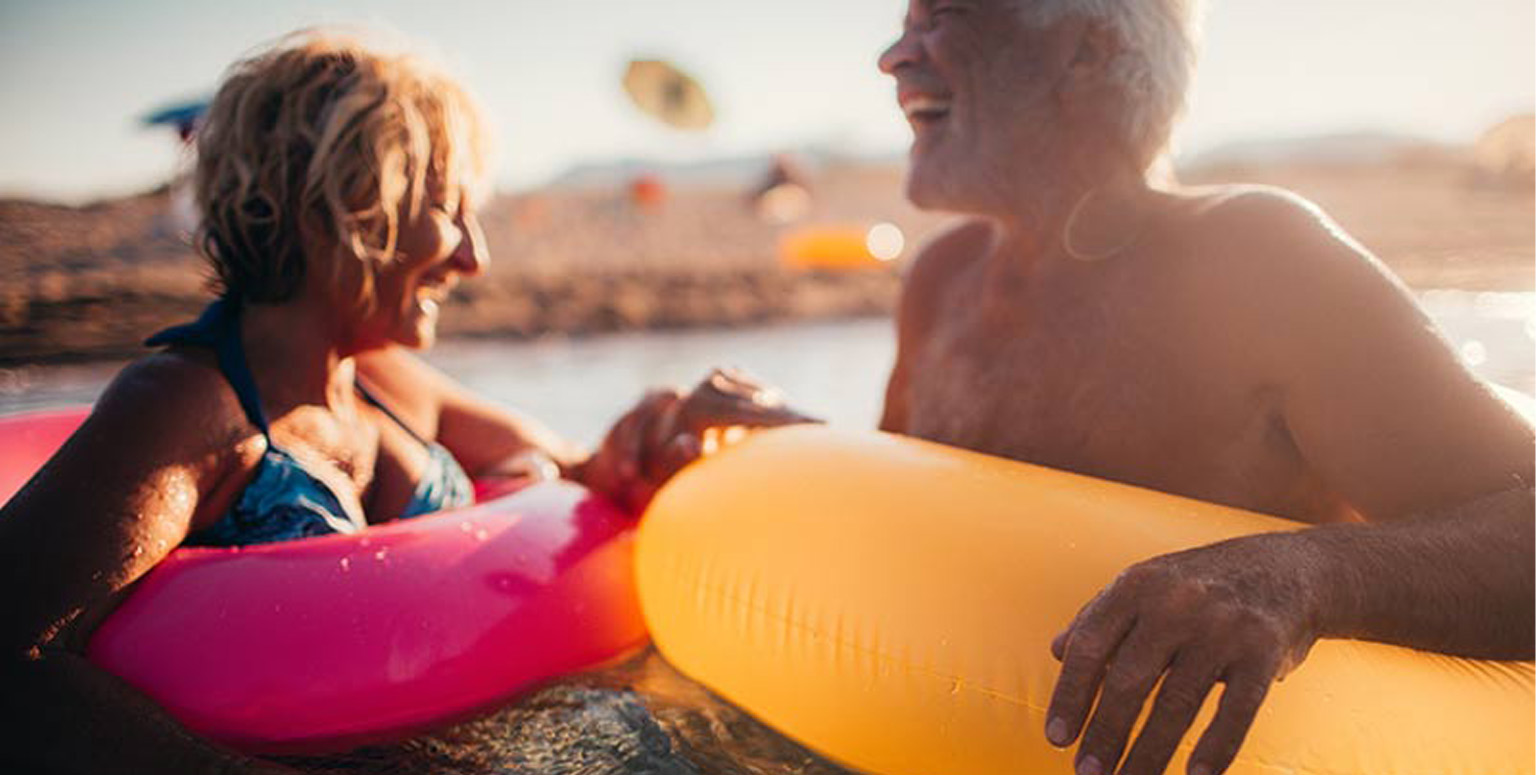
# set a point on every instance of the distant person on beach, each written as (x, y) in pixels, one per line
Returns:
(335, 184)
(1231, 344)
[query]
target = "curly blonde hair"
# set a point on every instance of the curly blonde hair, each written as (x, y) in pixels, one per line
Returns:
(323, 137)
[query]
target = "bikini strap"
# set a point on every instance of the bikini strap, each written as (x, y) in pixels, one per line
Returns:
(219, 328)
(368, 395)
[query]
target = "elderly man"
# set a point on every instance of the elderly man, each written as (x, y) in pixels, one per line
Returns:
(1230, 344)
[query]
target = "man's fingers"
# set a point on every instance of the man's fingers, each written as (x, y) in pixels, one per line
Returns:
(1183, 692)
(640, 427)
(1090, 642)
(682, 450)
(1240, 701)
(1133, 671)
(727, 397)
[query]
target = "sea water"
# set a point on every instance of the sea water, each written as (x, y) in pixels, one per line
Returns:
(835, 370)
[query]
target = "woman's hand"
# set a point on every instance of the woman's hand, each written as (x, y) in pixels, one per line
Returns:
(1241, 613)
(668, 430)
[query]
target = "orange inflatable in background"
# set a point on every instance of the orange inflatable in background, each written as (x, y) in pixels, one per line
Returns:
(890, 603)
(841, 248)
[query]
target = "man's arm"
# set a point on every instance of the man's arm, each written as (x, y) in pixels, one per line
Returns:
(1382, 410)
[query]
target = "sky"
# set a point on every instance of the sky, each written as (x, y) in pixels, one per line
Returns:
(76, 75)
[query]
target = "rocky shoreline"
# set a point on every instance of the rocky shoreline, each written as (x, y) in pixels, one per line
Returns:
(82, 283)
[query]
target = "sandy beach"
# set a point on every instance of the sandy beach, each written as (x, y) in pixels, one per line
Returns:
(88, 282)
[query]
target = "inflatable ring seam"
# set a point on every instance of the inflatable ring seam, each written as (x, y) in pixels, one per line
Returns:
(749, 603)
(839, 612)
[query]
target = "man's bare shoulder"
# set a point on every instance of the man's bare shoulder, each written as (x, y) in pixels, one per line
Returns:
(1269, 240)
(944, 256)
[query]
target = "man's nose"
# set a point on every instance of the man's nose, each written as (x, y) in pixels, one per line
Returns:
(904, 51)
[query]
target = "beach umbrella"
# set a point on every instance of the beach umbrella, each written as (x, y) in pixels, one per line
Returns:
(667, 94)
(183, 116)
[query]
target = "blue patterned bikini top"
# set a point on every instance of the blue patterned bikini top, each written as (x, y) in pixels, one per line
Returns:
(285, 501)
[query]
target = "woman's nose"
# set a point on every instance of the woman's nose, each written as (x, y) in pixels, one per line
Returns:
(471, 256)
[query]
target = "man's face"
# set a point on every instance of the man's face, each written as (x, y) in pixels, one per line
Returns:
(977, 85)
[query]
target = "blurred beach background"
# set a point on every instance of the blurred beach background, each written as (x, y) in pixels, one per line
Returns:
(628, 253)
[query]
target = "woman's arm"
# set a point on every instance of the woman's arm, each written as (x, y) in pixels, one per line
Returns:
(663, 432)
(115, 500)
(485, 438)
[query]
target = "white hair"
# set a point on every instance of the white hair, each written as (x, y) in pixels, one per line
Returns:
(1159, 40)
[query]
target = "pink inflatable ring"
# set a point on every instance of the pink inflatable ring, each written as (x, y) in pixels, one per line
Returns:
(326, 643)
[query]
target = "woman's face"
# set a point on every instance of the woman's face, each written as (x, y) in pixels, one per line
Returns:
(435, 248)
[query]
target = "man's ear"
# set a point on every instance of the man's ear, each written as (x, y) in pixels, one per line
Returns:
(1094, 51)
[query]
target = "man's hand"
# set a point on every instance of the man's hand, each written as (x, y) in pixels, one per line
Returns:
(1241, 613)
(668, 430)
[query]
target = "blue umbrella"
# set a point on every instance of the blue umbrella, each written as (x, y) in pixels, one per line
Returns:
(183, 116)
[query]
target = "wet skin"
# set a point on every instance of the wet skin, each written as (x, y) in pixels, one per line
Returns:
(75, 550)
(1231, 344)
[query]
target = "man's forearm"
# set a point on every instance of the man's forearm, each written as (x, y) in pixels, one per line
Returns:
(1459, 581)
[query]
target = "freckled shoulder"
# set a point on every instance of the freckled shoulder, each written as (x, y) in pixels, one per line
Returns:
(183, 395)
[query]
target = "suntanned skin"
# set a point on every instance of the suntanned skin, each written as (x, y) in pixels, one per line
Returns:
(1230, 344)
(167, 450)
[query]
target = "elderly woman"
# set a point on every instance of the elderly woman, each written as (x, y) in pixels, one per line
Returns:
(1230, 344)
(336, 185)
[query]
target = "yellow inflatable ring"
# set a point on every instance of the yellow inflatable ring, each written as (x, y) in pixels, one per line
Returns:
(890, 602)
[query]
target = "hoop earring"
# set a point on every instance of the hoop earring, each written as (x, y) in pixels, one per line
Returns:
(1086, 256)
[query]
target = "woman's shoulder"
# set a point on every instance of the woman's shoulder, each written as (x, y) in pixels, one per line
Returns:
(176, 396)
(413, 390)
